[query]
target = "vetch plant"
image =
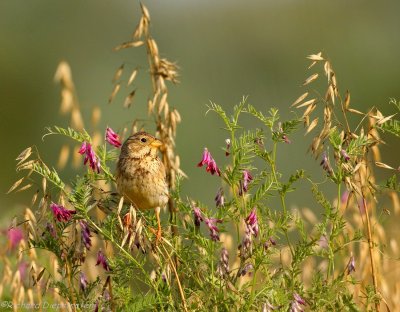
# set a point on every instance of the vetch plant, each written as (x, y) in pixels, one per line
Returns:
(80, 243)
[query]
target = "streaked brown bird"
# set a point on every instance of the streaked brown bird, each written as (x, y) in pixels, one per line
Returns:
(141, 175)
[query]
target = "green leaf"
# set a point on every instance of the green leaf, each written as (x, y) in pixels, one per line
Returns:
(69, 132)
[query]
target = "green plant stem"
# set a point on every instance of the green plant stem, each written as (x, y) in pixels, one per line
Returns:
(282, 197)
(253, 286)
(331, 264)
(129, 256)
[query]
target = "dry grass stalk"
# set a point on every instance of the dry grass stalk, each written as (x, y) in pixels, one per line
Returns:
(360, 179)
(166, 118)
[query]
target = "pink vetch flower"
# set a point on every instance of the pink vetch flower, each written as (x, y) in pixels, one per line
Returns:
(246, 269)
(101, 259)
(60, 213)
(252, 222)
(50, 229)
(90, 156)
(351, 267)
(210, 162)
(219, 198)
(325, 164)
(14, 236)
(113, 138)
(344, 154)
(270, 242)
(223, 264)
(85, 234)
(244, 185)
(83, 283)
(197, 216)
(296, 304)
(212, 226)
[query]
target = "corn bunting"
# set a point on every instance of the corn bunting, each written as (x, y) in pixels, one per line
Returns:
(140, 174)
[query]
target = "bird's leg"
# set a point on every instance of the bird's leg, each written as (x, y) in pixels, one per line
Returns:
(158, 234)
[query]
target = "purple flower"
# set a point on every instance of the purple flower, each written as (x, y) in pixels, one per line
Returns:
(268, 307)
(112, 138)
(351, 267)
(210, 162)
(212, 226)
(244, 186)
(252, 223)
(296, 304)
(90, 156)
(50, 229)
(101, 259)
(85, 234)
(223, 264)
(219, 198)
(245, 247)
(270, 242)
(197, 216)
(83, 283)
(246, 269)
(14, 236)
(344, 154)
(325, 164)
(60, 213)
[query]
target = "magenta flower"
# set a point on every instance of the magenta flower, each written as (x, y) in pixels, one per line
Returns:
(14, 236)
(197, 216)
(90, 156)
(210, 162)
(83, 283)
(85, 234)
(112, 138)
(252, 223)
(60, 213)
(244, 185)
(219, 198)
(212, 226)
(344, 154)
(101, 259)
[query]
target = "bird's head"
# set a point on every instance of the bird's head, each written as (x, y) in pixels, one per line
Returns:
(140, 145)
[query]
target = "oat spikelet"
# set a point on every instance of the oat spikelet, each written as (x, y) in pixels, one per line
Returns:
(310, 79)
(299, 99)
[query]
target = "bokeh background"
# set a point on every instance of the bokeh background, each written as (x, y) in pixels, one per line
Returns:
(225, 49)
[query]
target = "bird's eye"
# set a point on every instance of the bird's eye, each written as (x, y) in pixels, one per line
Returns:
(144, 140)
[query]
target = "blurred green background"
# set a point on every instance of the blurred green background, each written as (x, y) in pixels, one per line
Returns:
(225, 49)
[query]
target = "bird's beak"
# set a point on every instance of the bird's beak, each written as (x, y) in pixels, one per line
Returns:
(156, 143)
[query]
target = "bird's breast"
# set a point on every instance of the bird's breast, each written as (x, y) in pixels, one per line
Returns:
(142, 182)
